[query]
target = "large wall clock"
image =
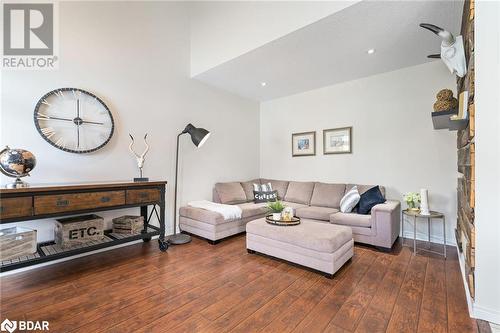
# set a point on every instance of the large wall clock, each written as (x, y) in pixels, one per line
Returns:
(74, 120)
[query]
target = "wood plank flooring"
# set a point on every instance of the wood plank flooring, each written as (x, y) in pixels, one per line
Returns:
(204, 288)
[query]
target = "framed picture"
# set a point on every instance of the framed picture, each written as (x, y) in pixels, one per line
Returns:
(337, 141)
(304, 144)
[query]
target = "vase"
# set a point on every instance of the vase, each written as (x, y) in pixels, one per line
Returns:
(276, 216)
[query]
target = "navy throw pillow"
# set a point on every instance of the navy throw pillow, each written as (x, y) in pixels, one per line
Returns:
(369, 199)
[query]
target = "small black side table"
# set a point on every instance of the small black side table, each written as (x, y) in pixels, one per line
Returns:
(432, 215)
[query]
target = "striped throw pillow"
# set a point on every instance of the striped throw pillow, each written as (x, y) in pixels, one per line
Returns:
(350, 200)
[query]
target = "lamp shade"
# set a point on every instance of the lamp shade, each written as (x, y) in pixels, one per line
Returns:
(198, 135)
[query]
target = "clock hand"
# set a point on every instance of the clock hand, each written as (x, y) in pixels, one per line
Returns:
(91, 122)
(78, 123)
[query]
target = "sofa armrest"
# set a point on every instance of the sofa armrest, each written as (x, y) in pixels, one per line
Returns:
(386, 222)
(388, 206)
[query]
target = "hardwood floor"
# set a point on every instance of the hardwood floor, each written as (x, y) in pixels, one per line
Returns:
(205, 288)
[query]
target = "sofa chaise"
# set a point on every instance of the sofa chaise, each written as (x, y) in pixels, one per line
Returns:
(315, 201)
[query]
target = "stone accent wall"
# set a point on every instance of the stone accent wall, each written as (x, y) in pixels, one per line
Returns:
(465, 232)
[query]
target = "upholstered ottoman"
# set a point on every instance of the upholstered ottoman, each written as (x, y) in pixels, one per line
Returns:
(321, 246)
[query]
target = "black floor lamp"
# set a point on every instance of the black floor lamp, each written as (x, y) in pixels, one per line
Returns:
(198, 136)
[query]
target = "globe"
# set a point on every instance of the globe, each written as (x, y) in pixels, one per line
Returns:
(16, 163)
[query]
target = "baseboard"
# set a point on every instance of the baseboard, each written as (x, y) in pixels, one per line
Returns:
(491, 315)
(423, 237)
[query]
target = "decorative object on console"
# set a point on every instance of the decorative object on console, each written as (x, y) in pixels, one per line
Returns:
(350, 200)
(16, 163)
(369, 199)
(91, 124)
(78, 230)
(412, 199)
(276, 208)
(199, 136)
(128, 224)
(452, 50)
(445, 101)
(16, 242)
(304, 144)
(424, 202)
(337, 141)
(139, 158)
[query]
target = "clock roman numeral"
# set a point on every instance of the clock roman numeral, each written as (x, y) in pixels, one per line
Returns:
(44, 101)
(48, 132)
(41, 116)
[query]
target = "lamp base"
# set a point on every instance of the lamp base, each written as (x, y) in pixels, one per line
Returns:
(178, 239)
(141, 179)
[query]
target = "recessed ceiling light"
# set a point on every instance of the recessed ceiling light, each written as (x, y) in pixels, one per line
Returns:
(371, 51)
(263, 84)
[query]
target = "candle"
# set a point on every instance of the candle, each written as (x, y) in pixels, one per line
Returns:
(424, 202)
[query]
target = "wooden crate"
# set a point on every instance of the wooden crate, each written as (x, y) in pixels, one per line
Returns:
(76, 231)
(128, 224)
(16, 242)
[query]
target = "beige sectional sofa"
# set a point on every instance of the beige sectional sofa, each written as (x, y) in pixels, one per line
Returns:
(311, 200)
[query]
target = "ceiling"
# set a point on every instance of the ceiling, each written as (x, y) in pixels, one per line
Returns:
(334, 49)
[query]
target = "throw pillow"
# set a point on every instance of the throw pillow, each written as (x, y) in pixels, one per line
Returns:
(262, 187)
(349, 200)
(369, 199)
(265, 196)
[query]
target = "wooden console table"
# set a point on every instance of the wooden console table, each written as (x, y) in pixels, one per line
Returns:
(57, 200)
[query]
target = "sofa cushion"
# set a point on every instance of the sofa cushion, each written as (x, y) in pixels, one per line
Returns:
(369, 199)
(278, 185)
(308, 234)
(299, 192)
(248, 188)
(363, 188)
(230, 193)
(249, 209)
(315, 213)
(203, 215)
(352, 219)
(293, 205)
(327, 195)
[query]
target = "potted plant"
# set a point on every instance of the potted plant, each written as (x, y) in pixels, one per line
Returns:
(276, 207)
(412, 199)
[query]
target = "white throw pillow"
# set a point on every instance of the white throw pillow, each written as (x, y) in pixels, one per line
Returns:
(350, 200)
(262, 188)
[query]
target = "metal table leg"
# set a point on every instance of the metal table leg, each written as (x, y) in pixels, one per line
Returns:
(429, 233)
(403, 228)
(444, 237)
(415, 234)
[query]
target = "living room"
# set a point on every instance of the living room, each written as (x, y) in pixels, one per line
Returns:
(250, 166)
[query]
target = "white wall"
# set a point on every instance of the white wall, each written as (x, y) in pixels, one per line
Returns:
(135, 56)
(224, 30)
(487, 138)
(394, 143)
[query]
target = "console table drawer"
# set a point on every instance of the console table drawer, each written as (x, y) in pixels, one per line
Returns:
(15, 207)
(48, 204)
(142, 196)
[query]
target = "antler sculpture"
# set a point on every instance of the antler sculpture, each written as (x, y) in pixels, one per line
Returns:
(139, 158)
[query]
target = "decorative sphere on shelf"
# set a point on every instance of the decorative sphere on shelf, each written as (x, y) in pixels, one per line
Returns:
(16, 163)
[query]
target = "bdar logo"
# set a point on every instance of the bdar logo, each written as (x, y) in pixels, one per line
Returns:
(8, 325)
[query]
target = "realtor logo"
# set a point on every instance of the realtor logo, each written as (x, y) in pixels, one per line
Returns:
(29, 31)
(8, 325)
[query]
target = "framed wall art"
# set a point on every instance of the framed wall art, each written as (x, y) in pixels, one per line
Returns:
(304, 144)
(337, 141)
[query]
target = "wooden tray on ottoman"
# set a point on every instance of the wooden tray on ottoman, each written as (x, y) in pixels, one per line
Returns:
(295, 220)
